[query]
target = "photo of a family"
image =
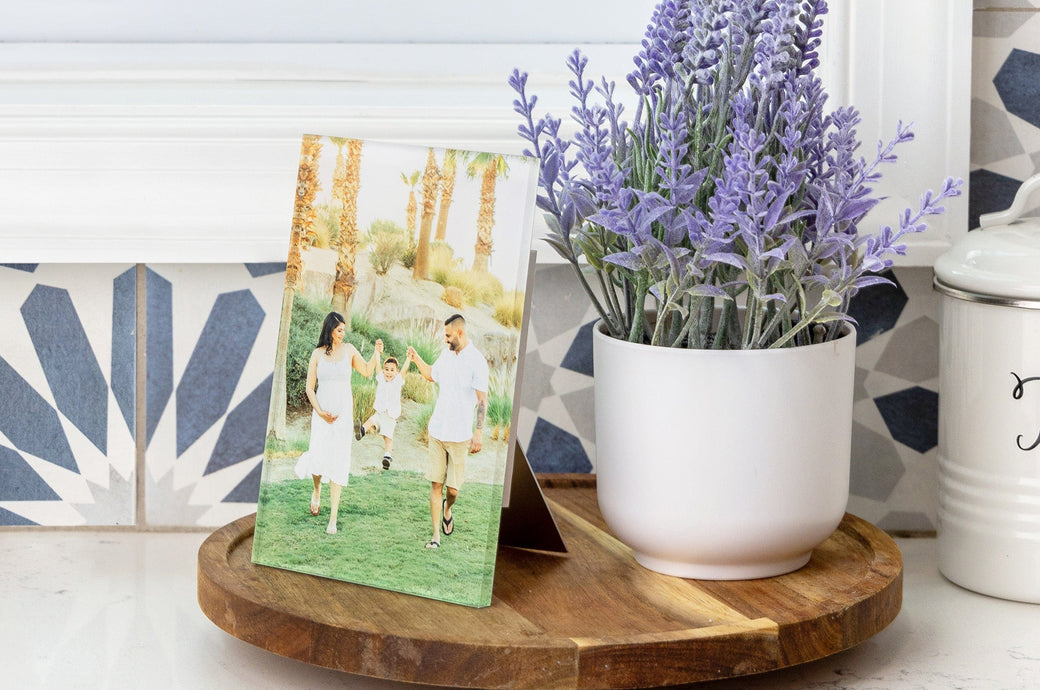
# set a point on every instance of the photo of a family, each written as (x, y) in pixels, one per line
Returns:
(396, 367)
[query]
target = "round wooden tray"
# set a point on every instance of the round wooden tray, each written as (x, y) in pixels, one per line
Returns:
(591, 618)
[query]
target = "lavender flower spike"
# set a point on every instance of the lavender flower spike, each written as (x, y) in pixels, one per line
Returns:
(730, 183)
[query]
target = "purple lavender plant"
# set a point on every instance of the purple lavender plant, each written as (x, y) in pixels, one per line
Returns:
(730, 185)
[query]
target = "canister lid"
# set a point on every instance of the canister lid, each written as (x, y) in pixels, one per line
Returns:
(1002, 259)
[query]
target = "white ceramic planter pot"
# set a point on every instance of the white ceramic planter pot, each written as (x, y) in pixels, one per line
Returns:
(723, 465)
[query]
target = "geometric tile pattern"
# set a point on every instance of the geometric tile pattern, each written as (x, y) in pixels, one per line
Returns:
(1005, 147)
(216, 364)
(998, 24)
(876, 466)
(913, 351)
(895, 409)
(876, 308)
(67, 394)
(996, 139)
(911, 416)
(554, 450)
(1017, 85)
(556, 424)
(73, 373)
(579, 355)
(158, 348)
(989, 191)
(210, 335)
(211, 332)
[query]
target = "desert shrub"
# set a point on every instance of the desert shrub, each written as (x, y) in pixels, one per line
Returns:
(388, 242)
(500, 403)
(441, 253)
(408, 255)
(452, 296)
(384, 225)
(487, 286)
(386, 250)
(307, 317)
(442, 262)
(500, 408)
(441, 275)
(428, 345)
(359, 323)
(509, 309)
(500, 396)
(423, 418)
(358, 340)
(364, 396)
(477, 286)
(417, 388)
(370, 332)
(287, 448)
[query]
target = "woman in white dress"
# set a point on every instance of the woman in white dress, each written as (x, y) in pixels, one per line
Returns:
(332, 428)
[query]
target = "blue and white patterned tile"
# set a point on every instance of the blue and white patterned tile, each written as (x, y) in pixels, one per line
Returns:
(556, 423)
(1005, 147)
(894, 476)
(67, 408)
(211, 336)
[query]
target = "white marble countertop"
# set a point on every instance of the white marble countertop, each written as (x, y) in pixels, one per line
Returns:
(85, 609)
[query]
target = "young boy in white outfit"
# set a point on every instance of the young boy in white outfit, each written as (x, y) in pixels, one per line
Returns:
(387, 407)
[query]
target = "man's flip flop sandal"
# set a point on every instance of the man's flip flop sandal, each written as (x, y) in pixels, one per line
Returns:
(433, 545)
(447, 524)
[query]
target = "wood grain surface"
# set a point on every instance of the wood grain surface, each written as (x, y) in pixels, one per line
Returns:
(590, 618)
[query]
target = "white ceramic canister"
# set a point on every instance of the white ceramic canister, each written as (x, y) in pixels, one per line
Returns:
(989, 406)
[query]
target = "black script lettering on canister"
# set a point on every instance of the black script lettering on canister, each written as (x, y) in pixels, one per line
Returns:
(1017, 393)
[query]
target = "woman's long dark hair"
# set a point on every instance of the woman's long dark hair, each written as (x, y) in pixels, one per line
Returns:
(331, 322)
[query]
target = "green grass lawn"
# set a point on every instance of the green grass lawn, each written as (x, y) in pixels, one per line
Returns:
(384, 523)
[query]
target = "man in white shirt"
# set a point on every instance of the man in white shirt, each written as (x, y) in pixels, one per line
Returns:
(461, 374)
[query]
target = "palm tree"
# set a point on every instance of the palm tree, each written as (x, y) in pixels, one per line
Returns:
(409, 210)
(431, 181)
(304, 213)
(324, 234)
(489, 166)
(346, 182)
(451, 159)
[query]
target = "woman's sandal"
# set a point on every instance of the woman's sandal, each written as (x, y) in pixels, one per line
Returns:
(433, 544)
(315, 507)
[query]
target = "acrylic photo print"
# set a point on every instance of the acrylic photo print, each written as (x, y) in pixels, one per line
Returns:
(396, 368)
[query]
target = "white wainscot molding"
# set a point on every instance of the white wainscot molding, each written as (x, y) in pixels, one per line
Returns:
(172, 152)
(188, 153)
(910, 61)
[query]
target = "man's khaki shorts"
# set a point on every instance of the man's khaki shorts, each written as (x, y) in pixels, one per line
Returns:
(447, 462)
